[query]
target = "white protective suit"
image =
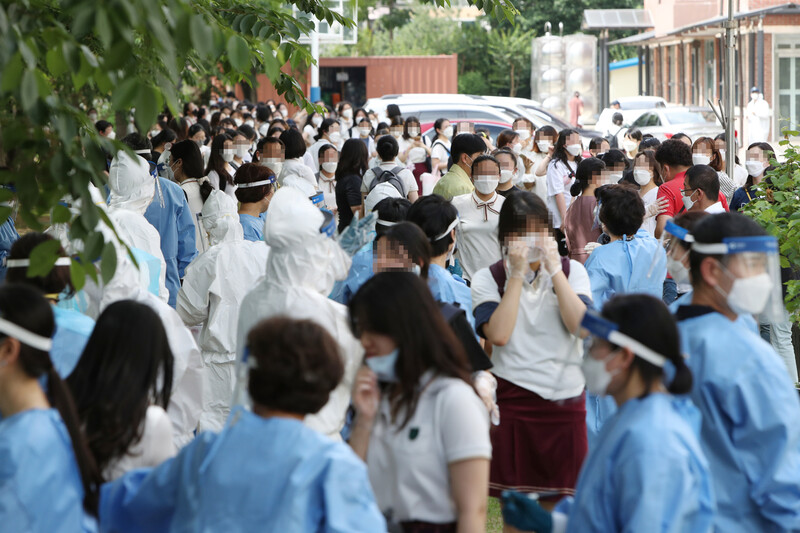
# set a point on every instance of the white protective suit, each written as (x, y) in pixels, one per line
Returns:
(129, 284)
(132, 189)
(302, 267)
(213, 288)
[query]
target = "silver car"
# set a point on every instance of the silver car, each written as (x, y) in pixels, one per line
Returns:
(665, 122)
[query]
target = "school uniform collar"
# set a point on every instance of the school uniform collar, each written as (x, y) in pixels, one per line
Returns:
(685, 312)
(486, 206)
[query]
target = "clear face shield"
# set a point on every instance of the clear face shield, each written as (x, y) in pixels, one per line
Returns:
(675, 241)
(751, 279)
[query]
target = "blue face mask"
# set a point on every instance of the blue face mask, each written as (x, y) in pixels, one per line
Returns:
(384, 366)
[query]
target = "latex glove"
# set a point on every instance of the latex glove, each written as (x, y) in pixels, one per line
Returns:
(552, 259)
(366, 394)
(517, 260)
(655, 209)
(524, 512)
(486, 386)
(590, 247)
(358, 233)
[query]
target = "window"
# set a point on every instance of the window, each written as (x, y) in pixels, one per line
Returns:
(643, 120)
(709, 61)
(670, 74)
(695, 75)
(787, 112)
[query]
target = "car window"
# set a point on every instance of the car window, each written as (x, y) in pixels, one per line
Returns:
(639, 104)
(642, 121)
(546, 119)
(435, 114)
(655, 120)
(688, 116)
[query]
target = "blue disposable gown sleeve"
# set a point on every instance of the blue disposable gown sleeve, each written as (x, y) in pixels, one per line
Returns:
(349, 502)
(598, 280)
(187, 245)
(764, 416)
(145, 500)
(651, 489)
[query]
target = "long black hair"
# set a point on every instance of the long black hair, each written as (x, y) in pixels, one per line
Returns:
(26, 307)
(51, 284)
(353, 159)
(768, 151)
(560, 150)
(647, 320)
(400, 305)
(215, 161)
(120, 373)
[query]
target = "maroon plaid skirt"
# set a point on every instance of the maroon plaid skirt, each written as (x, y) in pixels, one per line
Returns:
(539, 445)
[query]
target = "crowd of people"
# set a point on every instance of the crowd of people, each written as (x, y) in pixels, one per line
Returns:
(336, 321)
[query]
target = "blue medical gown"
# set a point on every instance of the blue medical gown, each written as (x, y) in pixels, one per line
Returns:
(175, 225)
(621, 267)
(40, 484)
(647, 473)
(360, 272)
(747, 321)
(8, 236)
(253, 226)
(72, 332)
(751, 424)
(450, 289)
(258, 474)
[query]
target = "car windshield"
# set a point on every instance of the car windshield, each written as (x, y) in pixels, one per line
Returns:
(688, 116)
(548, 119)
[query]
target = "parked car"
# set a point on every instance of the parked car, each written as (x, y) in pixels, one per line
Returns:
(663, 123)
(494, 127)
(631, 108)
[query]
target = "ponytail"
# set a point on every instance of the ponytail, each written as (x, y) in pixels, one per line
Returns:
(206, 188)
(681, 382)
(61, 399)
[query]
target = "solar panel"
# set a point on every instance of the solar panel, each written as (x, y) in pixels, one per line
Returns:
(628, 19)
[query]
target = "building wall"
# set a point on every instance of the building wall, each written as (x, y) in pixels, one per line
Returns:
(623, 82)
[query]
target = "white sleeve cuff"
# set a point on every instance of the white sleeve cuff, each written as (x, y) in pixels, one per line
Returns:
(559, 522)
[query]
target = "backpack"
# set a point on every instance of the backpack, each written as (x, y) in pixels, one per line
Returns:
(392, 177)
(449, 156)
(498, 271)
(613, 143)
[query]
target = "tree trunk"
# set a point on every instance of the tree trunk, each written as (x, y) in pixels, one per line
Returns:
(513, 89)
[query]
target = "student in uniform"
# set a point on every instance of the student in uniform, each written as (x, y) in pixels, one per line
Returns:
(528, 305)
(420, 425)
(266, 470)
(648, 471)
(749, 405)
(122, 387)
(580, 225)
(561, 174)
(479, 212)
(48, 479)
(508, 171)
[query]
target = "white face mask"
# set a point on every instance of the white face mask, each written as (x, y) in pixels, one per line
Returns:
(700, 159)
(754, 167)
(614, 178)
(374, 124)
(630, 146)
(335, 136)
(596, 376)
(153, 133)
(754, 96)
(574, 149)
(750, 295)
(241, 151)
(517, 148)
(448, 132)
(249, 123)
(112, 135)
(544, 145)
(506, 175)
(329, 166)
(227, 154)
(284, 113)
(364, 132)
(678, 272)
(524, 134)
(316, 121)
(486, 184)
(642, 176)
(274, 164)
(347, 113)
(722, 154)
(237, 121)
(688, 203)
(413, 132)
(397, 133)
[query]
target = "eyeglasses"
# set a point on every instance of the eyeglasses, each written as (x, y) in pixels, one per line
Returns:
(683, 191)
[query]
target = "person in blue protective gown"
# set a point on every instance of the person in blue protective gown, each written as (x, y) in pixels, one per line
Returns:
(48, 479)
(8, 235)
(170, 214)
(438, 218)
(750, 408)
(255, 188)
(390, 212)
(648, 471)
(72, 327)
(266, 471)
(624, 265)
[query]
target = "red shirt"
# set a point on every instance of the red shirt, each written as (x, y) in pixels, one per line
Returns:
(671, 190)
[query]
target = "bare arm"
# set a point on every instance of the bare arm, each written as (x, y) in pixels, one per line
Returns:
(541, 168)
(469, 480)
(501, 325)
(661, 222)
(413, 196)
(561, 203)
(570, 305)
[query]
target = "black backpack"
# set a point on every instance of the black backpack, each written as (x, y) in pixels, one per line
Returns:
(388, 176)
(449, 155)
(613, 143)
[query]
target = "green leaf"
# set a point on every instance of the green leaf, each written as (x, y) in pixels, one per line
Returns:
(202, 36)
(102, 27)
(60, 214)
(78, 275)
(148, 104)
(109, 262)
(247, 23)
(12, 74)
(43, 257)
(29, 91)
(125, 93)
(55, 62)
(238, 52)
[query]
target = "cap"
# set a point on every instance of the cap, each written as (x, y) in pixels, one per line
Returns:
(615, 102)
(755, 90)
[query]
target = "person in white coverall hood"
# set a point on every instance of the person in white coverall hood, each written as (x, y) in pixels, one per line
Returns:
(132, 189)
(213, 288)
(302, 267)
(128, 284)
